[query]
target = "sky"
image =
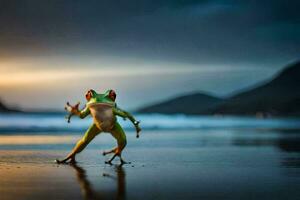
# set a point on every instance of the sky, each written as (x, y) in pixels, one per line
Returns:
(52, 51)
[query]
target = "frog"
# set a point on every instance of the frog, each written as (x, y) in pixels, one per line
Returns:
(104, 111)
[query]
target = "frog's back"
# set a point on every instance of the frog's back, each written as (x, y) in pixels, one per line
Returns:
(103, 115)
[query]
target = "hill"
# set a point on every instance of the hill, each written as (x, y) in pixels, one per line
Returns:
(3, 108)
(279, 96)
(196, 103)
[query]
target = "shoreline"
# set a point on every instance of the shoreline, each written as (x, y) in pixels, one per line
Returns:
(182, 164)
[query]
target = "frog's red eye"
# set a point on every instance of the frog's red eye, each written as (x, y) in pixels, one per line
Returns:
(112, 95)
(89, 94)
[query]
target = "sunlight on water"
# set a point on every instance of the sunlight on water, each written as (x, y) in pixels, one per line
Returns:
(35, 139)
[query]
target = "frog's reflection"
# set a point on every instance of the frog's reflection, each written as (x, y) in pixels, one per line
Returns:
(87, 190)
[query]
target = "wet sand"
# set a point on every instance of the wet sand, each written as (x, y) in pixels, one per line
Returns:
(182, 164)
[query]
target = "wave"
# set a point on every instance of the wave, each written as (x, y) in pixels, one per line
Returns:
(37, 123)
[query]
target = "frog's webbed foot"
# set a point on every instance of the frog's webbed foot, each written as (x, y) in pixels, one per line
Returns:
(64, 161)
(121, 159)
(60, 161)
(110, 160)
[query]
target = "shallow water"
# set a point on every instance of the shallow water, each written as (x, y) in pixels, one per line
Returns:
(166, 164)
(56, 123)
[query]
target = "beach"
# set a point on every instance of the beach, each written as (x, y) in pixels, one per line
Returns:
(165, 164)
(201, 100)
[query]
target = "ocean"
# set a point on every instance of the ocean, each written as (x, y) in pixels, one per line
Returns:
(56, 123)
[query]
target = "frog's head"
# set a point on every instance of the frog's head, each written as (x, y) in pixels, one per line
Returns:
(90, 94)
(111, 94)
(108, 95)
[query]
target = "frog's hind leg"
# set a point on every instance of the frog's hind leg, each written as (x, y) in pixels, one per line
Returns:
(118, 133)
(81, 144)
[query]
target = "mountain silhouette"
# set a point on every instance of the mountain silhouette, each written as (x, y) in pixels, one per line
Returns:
(3, 108)
(187, 104)
(279, 96)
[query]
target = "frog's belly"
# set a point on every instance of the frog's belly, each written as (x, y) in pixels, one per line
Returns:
(103, 116)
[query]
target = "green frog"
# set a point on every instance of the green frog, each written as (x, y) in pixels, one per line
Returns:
(103, 109)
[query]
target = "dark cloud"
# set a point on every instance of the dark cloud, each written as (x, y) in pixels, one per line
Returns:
(183, 30)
